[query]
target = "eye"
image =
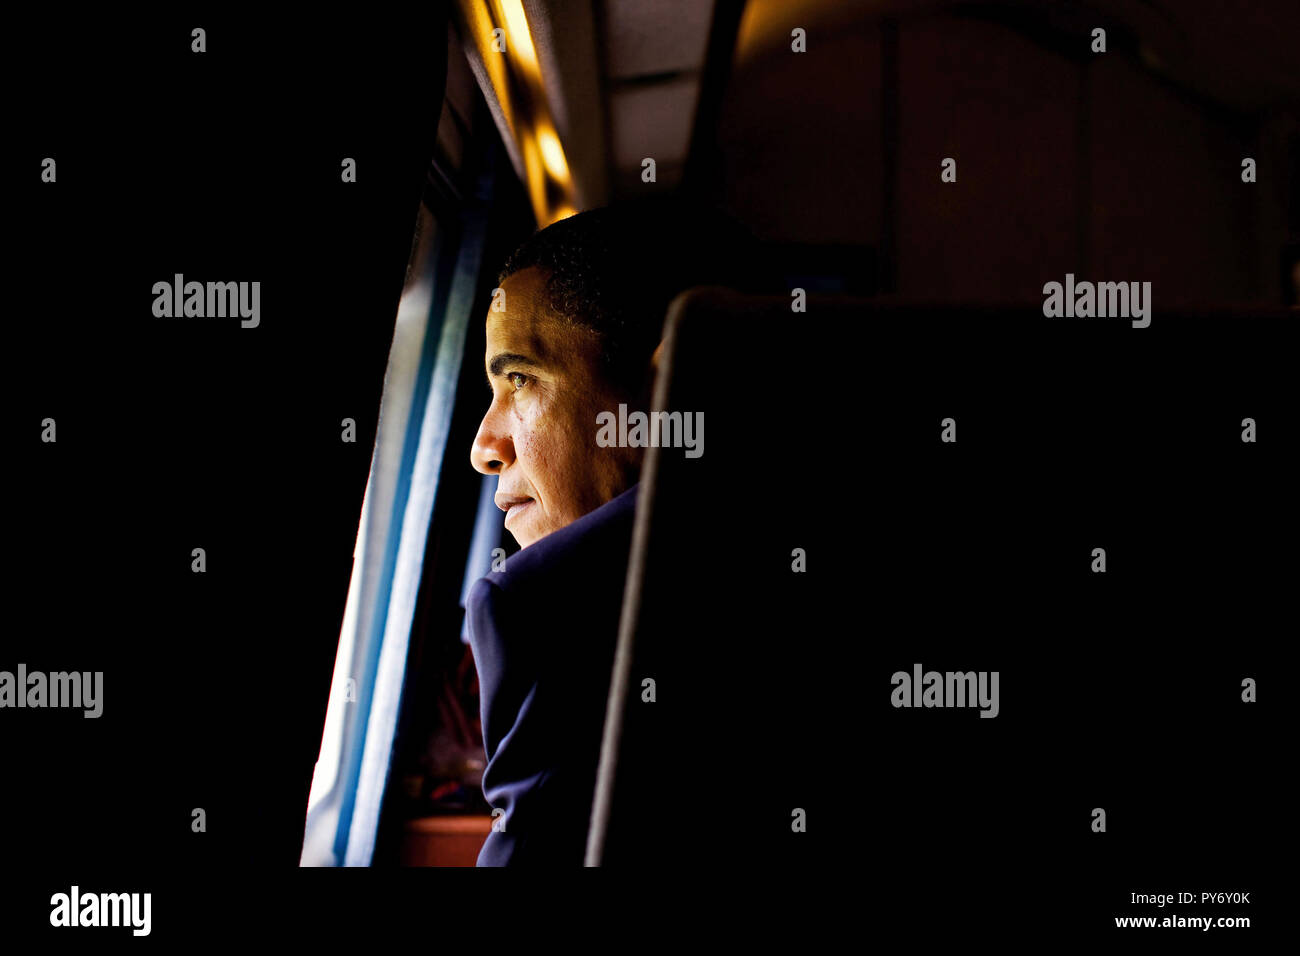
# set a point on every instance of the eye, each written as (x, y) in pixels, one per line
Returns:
(517, 379)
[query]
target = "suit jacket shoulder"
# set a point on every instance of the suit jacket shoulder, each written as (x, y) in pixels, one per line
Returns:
(543, 632)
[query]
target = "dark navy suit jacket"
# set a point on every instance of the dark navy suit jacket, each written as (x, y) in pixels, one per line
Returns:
(543, 632)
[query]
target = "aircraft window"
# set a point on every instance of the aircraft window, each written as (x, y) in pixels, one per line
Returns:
(418, 406)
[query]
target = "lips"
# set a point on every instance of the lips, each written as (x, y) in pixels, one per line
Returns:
(512, 504)
(516, 508)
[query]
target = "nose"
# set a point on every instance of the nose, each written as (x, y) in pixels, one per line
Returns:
(493, 447)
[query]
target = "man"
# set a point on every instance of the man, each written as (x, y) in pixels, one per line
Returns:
(579, 334)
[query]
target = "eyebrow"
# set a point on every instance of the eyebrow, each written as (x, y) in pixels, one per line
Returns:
(502, 359)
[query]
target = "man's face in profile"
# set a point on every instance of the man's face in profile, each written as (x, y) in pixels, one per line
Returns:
(539, 434)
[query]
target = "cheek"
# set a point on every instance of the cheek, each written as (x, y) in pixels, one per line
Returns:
(538, 446)
(556, 450)
(530, 451)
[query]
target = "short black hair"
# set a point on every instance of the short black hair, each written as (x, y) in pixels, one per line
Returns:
(615, 269)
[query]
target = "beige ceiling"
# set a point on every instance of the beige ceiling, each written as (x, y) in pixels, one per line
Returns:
(622, 77)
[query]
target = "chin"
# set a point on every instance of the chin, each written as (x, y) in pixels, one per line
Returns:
(527, 536)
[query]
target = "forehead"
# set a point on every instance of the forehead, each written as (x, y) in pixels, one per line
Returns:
(526, 324)
(529, 326)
